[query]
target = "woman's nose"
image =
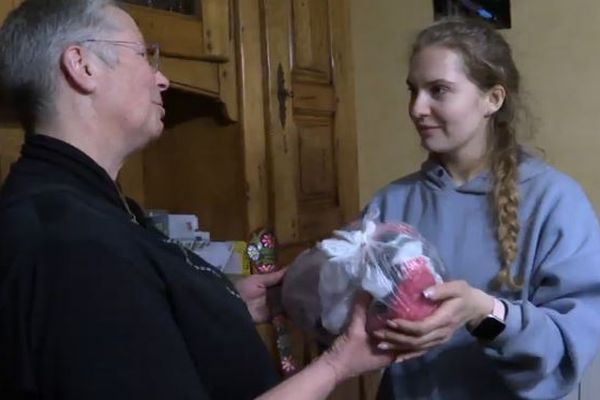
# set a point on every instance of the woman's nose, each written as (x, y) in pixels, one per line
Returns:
(162, 81)
(418, 106)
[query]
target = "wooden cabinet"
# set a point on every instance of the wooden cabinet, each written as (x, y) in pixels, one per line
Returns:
(290, 160)
(196, 50)
(202, 35)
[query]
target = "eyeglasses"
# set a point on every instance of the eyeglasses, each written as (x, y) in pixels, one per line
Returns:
(150, 52)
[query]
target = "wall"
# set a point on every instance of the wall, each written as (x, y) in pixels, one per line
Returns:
(554, 47)
(381, 35)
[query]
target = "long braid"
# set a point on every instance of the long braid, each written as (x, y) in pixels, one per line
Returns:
(505, 202)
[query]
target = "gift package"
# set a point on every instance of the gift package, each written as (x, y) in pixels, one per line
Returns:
(391, 261)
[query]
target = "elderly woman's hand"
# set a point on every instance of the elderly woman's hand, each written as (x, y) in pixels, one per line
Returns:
(355, 352)
(253, 290)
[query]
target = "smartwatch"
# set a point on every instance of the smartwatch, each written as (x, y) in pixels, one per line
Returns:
(493, 324)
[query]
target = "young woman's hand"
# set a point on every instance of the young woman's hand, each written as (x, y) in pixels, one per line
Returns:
(460, 304)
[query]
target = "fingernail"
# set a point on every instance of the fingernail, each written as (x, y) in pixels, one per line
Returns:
(383, 346)
(428, 293)
(391, 323)
(378, 334)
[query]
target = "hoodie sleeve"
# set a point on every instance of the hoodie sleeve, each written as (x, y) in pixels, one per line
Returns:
(553, 334)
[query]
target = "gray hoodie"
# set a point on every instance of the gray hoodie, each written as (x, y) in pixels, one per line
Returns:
(553, 325)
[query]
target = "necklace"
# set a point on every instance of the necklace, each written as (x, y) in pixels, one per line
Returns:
(181, 248)
(125, 205)
(202, 268)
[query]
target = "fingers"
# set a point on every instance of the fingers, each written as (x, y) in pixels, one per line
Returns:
(418, 335)
(388, 346)
(407, 356)
(445, 291)
(272, 278)
(445, 316)
(415, 337)
(391, 340)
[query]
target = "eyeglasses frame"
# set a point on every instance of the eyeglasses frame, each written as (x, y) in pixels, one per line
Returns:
(151, 50)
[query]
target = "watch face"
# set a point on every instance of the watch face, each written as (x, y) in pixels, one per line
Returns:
(488, 329)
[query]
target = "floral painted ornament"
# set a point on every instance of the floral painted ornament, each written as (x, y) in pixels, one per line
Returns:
(262, 252)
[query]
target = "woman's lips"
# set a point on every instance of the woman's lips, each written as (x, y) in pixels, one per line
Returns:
(162, 108)
(427, 130)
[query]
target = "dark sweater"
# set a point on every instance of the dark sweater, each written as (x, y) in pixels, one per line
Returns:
(95, 306)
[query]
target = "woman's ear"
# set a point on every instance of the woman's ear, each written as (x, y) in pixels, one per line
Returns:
(495, 99)
(79, 68)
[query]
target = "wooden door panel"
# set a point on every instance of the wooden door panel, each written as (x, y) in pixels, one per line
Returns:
(313, 98)
(316, 160)
(311, 40)
(318, 221)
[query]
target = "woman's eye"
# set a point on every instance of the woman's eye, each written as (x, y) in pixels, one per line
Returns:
(438, 91)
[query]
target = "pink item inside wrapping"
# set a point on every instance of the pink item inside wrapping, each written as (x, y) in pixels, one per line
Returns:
(408, 301)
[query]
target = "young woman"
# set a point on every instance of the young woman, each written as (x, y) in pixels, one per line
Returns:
(519, 316)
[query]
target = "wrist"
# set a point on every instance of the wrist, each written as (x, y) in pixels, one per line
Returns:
(484, 306)
(333, 368)
(492, 324)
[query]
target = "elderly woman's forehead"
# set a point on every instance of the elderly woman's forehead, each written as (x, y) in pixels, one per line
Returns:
(124, 23)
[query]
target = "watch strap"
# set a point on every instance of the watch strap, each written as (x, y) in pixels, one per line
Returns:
(499, 310)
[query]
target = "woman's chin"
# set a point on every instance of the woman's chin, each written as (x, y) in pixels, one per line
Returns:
(432, 147)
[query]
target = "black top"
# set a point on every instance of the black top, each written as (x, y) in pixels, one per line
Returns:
(95, 306)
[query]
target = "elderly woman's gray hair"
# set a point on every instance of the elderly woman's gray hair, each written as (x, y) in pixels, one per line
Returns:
(33, 38)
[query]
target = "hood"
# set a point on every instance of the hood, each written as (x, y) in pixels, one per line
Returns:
(438, 177)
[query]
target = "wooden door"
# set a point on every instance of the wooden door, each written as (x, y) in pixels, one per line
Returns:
(311, 136)
(310, 118)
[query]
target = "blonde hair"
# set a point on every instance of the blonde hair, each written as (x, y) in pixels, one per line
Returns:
(488, 62)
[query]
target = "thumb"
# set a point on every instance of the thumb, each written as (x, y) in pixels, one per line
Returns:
(443, 291)
(359, 312)
(272, 278)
